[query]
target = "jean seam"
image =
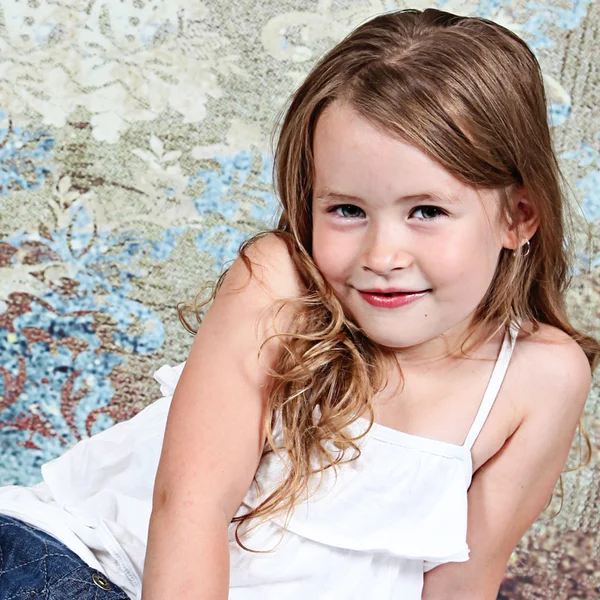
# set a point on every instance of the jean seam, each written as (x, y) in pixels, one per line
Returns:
(15, 526)
(45, 591)
(46, 588)
(74, 578)
(45, 563)
(32, 593)
(19, 597)
(34, 560)
(43, 559)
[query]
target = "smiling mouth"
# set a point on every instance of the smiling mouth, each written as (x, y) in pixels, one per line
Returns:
(391, 298)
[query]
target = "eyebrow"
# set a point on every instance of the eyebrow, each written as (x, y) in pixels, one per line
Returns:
(328, 194)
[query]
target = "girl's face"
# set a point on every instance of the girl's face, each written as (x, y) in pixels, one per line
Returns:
(386, 220)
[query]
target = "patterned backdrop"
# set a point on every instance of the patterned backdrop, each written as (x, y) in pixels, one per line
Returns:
(135, 157)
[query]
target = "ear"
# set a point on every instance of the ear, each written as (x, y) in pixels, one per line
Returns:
(526, 220)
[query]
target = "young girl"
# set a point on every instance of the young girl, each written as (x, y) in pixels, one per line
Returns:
(384, 390)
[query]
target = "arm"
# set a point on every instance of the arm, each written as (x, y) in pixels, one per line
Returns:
(214, 436)
(510, 490)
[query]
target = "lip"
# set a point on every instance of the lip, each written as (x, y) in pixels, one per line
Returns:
(391, 291)
(401, 297)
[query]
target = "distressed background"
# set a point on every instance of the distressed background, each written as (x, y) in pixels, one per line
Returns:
(135, 157)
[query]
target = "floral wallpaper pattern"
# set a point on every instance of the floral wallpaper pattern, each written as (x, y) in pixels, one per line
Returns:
(135, 158)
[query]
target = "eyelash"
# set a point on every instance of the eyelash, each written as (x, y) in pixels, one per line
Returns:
(333, 210)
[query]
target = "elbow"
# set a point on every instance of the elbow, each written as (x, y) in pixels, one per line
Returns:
(188, 505)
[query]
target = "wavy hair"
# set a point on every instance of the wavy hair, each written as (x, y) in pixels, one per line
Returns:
(469, 94)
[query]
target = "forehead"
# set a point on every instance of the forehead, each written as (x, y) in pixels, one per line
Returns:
(353, 157)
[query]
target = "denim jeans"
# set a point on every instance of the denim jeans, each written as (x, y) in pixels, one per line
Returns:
(34, 565)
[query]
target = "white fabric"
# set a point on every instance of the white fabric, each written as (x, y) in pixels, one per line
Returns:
(371, 533)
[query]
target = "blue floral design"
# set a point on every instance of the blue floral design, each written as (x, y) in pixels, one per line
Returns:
(102, 265)
(542, 15)
(589, 187)
(24, 160)
(589, 184)
(222, 200)
(96, 256)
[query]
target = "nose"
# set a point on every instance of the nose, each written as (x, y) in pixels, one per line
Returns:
(385, 251)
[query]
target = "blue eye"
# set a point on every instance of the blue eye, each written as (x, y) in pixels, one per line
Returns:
(428, 210)
(347, 211)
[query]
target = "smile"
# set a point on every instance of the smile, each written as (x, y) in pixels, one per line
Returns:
(391, 299)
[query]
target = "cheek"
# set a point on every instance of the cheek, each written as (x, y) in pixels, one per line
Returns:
(334, 253)
(323, 244)
(468, 261)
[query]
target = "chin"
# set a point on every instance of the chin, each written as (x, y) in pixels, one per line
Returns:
(383, 338)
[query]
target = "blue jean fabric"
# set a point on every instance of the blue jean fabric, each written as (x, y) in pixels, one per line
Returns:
(34, 565)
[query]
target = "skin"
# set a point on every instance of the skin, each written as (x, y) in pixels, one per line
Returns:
(380, 237)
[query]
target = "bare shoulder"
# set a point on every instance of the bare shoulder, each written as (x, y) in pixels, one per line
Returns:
(552, 369)
(253, 298)
(270, 266)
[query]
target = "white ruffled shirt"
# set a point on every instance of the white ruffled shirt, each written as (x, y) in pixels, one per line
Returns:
(372, 533)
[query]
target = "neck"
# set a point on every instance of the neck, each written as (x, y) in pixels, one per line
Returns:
(445, 349)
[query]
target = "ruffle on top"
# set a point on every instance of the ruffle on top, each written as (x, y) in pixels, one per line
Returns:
(405, 496)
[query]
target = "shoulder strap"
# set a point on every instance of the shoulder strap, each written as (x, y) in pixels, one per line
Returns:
(494, 384)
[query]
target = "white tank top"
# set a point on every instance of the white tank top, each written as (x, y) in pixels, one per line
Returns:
(371, 533)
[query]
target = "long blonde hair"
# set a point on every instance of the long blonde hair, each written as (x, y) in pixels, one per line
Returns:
(469, 94)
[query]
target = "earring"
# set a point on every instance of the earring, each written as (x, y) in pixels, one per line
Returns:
(527, 249)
